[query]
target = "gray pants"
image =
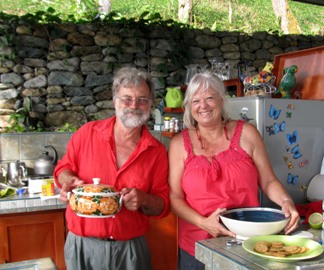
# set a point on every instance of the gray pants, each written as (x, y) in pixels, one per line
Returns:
(86, 253)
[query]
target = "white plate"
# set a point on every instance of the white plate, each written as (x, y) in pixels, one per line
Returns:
(101, 194)
(93, 216)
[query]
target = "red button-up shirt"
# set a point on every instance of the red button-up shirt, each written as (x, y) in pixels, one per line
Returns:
(91, 153)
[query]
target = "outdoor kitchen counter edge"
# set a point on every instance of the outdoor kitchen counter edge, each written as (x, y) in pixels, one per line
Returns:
(28, 203)
(215, 254)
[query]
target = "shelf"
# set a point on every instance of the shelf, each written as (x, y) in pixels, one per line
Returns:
(173, 110)
(169, 134)
(237, 84)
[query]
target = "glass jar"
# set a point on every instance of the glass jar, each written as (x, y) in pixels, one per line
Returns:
(167, 123)
(177, 125)
(172, 124)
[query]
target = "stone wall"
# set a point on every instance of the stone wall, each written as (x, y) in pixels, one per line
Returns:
(67, 69)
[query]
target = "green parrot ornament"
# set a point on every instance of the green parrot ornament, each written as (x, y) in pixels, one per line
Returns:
(287, 82)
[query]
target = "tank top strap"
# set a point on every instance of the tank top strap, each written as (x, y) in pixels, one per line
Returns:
(237, 134)
(186, 141)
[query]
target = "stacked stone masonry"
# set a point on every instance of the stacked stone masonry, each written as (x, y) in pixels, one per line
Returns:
(67, 69)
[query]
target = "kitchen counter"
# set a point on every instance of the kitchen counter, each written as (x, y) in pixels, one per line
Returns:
(41, 264)
(215, 254)
(28, 203)
(26, 219)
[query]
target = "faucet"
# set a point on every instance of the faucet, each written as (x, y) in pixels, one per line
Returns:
(4, 175)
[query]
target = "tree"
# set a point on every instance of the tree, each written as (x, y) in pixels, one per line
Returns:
(185, 11)
(287, 20)
(104, 6)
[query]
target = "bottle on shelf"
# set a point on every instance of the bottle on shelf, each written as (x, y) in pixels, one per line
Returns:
(167, 123)
(172, 124)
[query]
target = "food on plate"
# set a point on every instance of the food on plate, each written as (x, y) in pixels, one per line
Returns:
(277, 244)
(262, 246)
(278, 248)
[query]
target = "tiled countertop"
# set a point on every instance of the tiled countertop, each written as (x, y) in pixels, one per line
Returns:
(215, 254)
(28, 203)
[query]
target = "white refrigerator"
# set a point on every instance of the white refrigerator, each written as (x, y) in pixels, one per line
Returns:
(293, 133)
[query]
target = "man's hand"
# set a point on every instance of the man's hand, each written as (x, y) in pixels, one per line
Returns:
(68, 186)
(135, 199)
(132, 198)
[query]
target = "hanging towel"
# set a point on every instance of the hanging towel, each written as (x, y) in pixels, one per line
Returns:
(305, 210)
(7, 192)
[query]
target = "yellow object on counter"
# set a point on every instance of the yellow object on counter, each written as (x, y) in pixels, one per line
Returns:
(48, 187)
(7, 192)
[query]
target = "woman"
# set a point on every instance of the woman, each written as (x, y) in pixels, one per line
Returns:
(216, 164)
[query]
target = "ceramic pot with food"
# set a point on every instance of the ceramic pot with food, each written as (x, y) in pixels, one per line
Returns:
(95, 200)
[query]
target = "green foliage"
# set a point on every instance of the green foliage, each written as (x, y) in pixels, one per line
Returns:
(66, 128)
(6, 37)
(247, 15)
(20, 123)
(26, 109)
(48, 16)
(21, 120)
(16, 123)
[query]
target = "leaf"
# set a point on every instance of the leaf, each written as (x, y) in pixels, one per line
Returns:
(27, 104)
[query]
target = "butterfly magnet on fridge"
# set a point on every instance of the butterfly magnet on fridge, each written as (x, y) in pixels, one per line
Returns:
(292, 179)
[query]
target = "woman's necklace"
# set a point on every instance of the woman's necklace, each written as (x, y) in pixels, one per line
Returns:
(200, 139)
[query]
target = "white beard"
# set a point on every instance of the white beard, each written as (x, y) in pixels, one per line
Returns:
(132, 118)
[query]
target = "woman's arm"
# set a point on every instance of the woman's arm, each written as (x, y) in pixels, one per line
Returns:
(252, 143)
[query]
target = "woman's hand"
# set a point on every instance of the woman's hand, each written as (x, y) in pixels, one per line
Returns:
(289, 210)
(212, 225)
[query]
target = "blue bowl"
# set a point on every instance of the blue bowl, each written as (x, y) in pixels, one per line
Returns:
(253, 221)
(255, 215)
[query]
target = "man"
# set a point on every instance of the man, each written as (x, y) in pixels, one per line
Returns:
(122, 153)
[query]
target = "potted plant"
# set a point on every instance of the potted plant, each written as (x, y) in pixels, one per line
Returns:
(23, 120)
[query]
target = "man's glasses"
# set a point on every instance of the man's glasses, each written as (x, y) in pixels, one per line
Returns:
(127, 101)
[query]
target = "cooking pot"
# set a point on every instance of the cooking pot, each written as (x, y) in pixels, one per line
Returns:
(16, 172)
(95, 200)
(45, 164)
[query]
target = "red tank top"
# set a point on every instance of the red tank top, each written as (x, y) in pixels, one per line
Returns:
(230, 180)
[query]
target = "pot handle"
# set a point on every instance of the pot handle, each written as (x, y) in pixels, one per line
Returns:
(54, 161)
(121, 201)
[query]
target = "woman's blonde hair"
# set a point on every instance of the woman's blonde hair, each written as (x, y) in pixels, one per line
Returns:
(203, 81)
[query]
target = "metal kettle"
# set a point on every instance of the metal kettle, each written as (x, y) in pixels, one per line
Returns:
(45, 164)
(16, 172)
